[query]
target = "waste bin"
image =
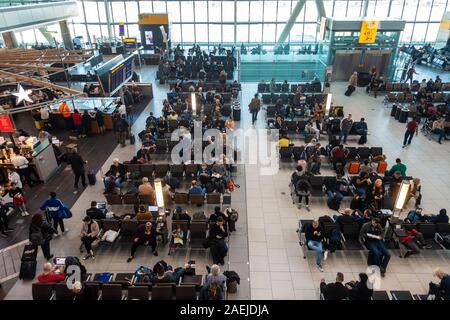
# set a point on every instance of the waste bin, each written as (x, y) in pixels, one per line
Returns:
(393, 110)
(237, 112)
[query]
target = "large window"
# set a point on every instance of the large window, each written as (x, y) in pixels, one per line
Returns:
(227, 21)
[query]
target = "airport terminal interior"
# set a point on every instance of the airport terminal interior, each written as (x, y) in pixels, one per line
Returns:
(224, 150)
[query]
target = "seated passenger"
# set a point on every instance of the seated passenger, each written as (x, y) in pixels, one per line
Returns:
(145, 235)
(89, 234)
(211, 292)
(143, 214)
(51, 274)
(440, 218)
(359, 290)
(95, 213)
(215, 276)
(441, 290)
(372, 234)
(398, 166)
(334, 291)
(345, 217)
(413, 240)
(314, 238)
(195, 188)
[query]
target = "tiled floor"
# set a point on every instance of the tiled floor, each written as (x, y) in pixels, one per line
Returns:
(266, 250)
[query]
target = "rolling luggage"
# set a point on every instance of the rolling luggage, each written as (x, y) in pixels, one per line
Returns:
(353, 167)
(362, 140)
(382, 167)
(28, 264)
(91, 177)
(132, 139)
(350, 90)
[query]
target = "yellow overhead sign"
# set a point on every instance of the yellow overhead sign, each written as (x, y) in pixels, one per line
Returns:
(368, 32)
(153, 18)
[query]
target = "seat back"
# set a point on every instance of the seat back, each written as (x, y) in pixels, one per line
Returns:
(181, 198)
(350, 230)
(198, 229)
(147, 170)
(113, 199)
(162, 292)
(191, 169)
(62, 292)
(364, 152)
(286, 153)
(130, 198)
(137, 293)
(427, 229)
(186, 292)
(111, 291)
(380, 295)
(401, 295)
(131, 167)
(376, 151)
(110, 224)
(161, 170)
(146, 199)
(316, 181)
(184, 225)
(442, 228)
(176, 170)
(197, 198)
(42, 291)
(213, 198)
(128, 227)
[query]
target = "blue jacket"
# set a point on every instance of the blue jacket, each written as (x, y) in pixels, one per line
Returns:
(444, 286)
(196, 190)
(53, 206)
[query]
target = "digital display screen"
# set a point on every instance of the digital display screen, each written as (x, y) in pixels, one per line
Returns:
(149, 38)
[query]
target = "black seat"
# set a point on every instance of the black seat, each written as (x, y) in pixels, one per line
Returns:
(286, 154)
(198, 232)
(137, 293)
(162, 292)
(111, 291)
(376, 151)
(186, 292)
(380, 295)
(62, 292)
(316, 184)
(297, 152)
(350, 231)
(177, 170)
(429, 232)
(161, 146)
(401, 295)
(352, 153)
(42, 291)
(364, 153)
(271, 111)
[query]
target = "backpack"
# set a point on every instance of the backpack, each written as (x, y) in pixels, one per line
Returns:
(325, 219)
(233, 215)
(333, 204)
(74, 261)
(335, 240)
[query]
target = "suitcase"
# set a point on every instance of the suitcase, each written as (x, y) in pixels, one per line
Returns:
(350, 90)
(382, 167)
(362, 140)
(132, 139)
(91, 177)
(27, 270)
(353, 167)
(29, 253)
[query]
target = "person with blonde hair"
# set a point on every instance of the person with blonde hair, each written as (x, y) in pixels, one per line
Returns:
(441, 290)
(215, 275)
(415, 191)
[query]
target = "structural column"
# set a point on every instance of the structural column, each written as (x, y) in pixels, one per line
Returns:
(65, 34)
(287, 28)
(10, 39)
(108, 22)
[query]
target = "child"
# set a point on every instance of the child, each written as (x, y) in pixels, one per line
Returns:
(178, 236)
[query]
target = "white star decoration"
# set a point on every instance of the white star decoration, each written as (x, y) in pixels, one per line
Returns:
(22, 94)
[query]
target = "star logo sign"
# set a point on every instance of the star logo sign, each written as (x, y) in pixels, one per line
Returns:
(22, 94)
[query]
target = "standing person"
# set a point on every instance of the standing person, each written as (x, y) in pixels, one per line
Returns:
(56, 210)
(78, 123)
(121, 126)
(19, 199)
(410, 74)
(21, 165)
(99, 116)
(41, 233)
(13, 176)
(346, 126)
(411, 128)
(145, 235)
(89, 234)
(65, 111)
(4, 228)
(361, 129)
(352, 83)
(77, 163)
(254, 107)
(86, 120)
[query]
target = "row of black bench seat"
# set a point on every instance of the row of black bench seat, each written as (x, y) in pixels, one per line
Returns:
(120, 288)
(210, 76)
(350, 234)
(207, 86)
(410, 97)
(287, 87)
(288, 154)
(311, 98)
(159, 170)
(404, 86)
(401, 295)
(226, 96)
(178, 198)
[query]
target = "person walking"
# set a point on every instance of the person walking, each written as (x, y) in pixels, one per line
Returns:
(411, 128)
(254, 107)
(56, 210)
(41, 233)
(410, 75)
(77, 163)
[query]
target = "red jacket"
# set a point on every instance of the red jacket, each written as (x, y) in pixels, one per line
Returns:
(76, 119)
(51, 277)
(410, 236)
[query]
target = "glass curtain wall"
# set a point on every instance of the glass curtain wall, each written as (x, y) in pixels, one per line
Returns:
(255, 21)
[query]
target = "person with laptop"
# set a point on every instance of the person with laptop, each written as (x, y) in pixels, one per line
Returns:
(51, 274)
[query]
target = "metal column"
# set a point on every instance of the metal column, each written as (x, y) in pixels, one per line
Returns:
(65, 34)
(320, 8)
(108, 23)
(10, 39)
(288, 27)
(365, 7)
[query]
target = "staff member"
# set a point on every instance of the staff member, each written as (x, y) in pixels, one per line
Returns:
(21, 165)
(66, 113)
